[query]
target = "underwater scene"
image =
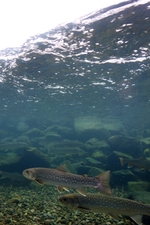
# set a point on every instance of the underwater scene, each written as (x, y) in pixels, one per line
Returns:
(75, 122)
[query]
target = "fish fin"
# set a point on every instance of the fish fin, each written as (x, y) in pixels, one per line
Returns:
(129, 166)
(60, 189)
(114, 216)
(104, 179)
(85, 175)
(66, 189)
(137, 219)
(83, 208)
(39, 181)
(121, 161)
(141, 168)
(81, 191)
(62, 168)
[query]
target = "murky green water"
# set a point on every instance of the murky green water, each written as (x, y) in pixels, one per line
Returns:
(79, 94)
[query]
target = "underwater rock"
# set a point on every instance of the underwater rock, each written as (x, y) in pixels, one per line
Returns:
(146, 133)
(57, 160)
(29, 158)
(9, 158)
(93, 162)
(64, 132)
(13, 146)
(68, 143)
(66, 151)
(3, 134)
(66, 147)
(24, 139)
(40, 142)
(99, 155)
(89, 127)
(121, 154)
(145, 142)
(51, 136)
(125, 144)
(78, 164)
(33, 133)
(70, 166)
(147, 152)
(94, 171)
(22, 127)
(114, 157)
(12, 176)
(138, 186)
(95, 144)
(142, 196)
(83, 169)
(122, 177)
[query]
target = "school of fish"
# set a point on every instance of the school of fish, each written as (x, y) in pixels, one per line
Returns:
(89, 202)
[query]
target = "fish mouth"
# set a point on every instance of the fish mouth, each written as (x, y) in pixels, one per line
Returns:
(29, 174)
(25, 174)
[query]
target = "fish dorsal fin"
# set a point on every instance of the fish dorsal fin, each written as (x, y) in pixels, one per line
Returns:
(85, 175)
(137, 219)
(62, 168)
(81, 191)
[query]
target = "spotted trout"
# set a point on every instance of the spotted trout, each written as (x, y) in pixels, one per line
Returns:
(12, 146)
(61, 178)
(100, 203)
(142, 163)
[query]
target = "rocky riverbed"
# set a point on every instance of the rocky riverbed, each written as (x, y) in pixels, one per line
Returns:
(36, 205)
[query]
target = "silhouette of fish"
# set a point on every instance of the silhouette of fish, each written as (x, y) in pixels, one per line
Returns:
(12, 146)
(142, 163)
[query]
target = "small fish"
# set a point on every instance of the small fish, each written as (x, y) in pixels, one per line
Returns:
(61, 178)
(113, 206)
(12, 146)
(12, 176)
(142, 163)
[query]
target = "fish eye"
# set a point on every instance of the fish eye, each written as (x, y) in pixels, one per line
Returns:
(65, 199)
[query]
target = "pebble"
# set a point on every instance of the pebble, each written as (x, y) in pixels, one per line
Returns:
(36, 205)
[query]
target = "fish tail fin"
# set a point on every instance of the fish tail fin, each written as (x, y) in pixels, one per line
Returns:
(122, 161)
(104, 179)
(137, 219)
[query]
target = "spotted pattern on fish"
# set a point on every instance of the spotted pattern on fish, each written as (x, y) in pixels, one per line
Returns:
(106, 204)
(62, 178)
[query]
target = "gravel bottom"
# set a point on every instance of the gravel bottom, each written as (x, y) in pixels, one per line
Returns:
(39, 205)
